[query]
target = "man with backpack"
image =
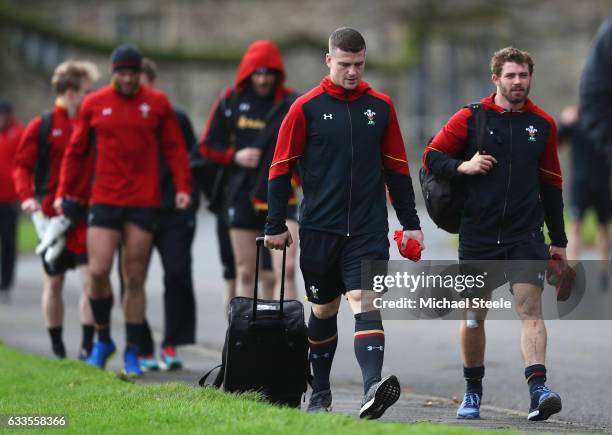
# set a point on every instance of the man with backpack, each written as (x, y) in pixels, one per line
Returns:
(346, 140)
(512, 185)
(174, 235)
(38, 160)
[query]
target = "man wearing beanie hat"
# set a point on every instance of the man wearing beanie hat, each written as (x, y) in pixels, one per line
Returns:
(240, 135)
(10, 132)
(119, 135)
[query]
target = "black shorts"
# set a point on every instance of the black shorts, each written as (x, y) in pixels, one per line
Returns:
(226, 252)
(242, 215)
(67, 260)
(584, 197)
(331, 264)
(522, 262)
(115, 217)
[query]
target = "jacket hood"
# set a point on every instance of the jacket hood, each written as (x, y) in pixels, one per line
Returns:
(341, 93)
(261, 54)
(489, 102)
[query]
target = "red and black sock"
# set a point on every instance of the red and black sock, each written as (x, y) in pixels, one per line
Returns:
(322, 340)
(536, 376)
(473, 379)
(369, 341)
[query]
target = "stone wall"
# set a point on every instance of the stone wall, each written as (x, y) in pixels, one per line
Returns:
(450, 55)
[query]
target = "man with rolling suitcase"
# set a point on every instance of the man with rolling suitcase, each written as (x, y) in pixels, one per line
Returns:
(347, 140)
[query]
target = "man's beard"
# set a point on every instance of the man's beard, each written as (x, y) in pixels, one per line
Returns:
(507, 93)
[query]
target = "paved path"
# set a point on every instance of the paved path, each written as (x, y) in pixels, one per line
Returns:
(423, 354)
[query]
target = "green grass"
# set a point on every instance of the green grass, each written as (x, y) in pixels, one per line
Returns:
(26, 235)
(99, 402)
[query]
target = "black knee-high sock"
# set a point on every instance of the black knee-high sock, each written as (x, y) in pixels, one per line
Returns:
(369, 346)
(57, 344)
(133, 335)
(473, 379)
(322, 339)
(101, 309)
(56, 334)
(88, 334)
(536, 376)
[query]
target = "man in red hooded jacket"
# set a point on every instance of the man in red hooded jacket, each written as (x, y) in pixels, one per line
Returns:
(122, 128)
(10, 132)
(240, 134)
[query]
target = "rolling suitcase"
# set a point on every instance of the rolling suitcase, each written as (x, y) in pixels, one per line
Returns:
(266, 346)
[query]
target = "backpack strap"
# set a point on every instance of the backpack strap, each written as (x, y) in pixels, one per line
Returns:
(41, 172)
(480, 122)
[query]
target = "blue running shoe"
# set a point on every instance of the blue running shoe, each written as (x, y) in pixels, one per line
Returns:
(544, 403)
(470, 407)
(132, 365)
(100, 354)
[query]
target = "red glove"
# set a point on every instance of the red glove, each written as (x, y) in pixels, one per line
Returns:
(412, 250)
(560, 275)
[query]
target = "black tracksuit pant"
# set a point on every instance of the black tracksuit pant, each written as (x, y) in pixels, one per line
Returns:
(8, 238)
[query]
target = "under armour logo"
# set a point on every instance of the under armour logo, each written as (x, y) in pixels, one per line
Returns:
(56, 132)
(328, 116)
(370, 348)
(244, 107)
(107, 111)
(318, 355)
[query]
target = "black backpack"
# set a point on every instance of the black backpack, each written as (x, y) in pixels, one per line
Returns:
(266, 347)
(444, 198)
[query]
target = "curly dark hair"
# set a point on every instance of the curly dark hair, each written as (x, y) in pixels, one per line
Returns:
(510, 54)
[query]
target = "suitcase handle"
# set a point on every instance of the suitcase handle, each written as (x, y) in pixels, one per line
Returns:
(260, 242)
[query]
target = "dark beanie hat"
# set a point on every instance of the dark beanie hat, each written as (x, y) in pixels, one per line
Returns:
(5, 107)
(126, 56)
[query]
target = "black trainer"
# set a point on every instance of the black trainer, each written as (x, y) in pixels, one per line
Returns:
(321, 401)
(379, 397)
(58, 350)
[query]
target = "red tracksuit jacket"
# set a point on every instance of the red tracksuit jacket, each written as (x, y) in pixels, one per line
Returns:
(122, 138)
(9, 138)
(28, 159)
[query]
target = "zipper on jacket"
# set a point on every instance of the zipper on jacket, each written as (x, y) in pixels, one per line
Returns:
(348, 216)
(507, 186)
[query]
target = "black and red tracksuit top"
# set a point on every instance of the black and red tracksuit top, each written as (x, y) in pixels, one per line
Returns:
(116, 145)
(347, 145)
(510, 202)
(28, 158)
(239, 118)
